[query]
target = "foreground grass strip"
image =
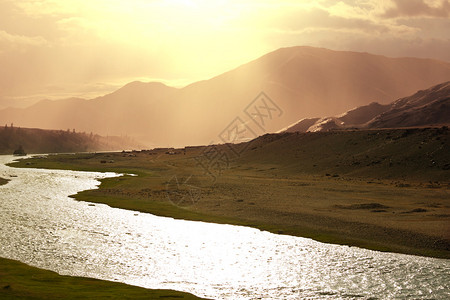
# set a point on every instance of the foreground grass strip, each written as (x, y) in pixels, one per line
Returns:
(20, 281)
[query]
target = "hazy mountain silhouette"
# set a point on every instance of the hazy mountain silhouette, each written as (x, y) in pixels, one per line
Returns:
(303, 81)
(430, 107)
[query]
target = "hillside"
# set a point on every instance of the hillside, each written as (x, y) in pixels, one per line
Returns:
(417, 154)
(430, 107)
(58, 141)
(304, 82)
(424, 108)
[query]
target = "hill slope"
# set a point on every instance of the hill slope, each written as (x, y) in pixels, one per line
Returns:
(303, 81)
(430, 107)
(417, 154)
(427, 107)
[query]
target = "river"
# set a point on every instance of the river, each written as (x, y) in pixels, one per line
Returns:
(43, 227)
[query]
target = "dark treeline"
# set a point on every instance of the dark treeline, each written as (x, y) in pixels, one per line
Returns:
(57, 141)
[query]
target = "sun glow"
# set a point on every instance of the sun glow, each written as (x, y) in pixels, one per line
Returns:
(202, 38)
(176, 40)
(106, 41)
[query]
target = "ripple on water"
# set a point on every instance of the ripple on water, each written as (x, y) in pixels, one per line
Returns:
(42, 226)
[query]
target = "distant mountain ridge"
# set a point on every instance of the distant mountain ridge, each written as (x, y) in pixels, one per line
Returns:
(430, 107)
(303, 81)
(426, 107)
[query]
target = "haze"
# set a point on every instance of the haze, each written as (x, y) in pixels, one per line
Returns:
(55, 49)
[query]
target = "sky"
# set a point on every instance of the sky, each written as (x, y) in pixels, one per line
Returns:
(51, 49)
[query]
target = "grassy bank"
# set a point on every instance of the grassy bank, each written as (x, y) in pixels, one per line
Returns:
(354, 188)
(20, 281)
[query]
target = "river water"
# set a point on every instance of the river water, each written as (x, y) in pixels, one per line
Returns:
(43, 227)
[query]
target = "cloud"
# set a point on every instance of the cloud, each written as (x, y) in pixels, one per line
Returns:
(418, 8)
(388, 45)
(321, 18)
(46, 8)
(74, 43)
(11, 42)
(338, 23)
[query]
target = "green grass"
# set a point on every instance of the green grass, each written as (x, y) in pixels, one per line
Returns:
(20, 281)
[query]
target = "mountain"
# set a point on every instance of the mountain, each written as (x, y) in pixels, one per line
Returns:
(58, 141)
(424, 108)
(430, 107)
(300, 82)
(301, 126)
(363, 114)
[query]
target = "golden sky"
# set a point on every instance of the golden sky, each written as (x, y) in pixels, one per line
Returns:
(62, 48)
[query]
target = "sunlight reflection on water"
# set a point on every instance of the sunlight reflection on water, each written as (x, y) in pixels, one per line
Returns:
(43, 227)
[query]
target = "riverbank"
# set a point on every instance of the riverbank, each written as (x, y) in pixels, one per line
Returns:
(379, 205)
(21, 281)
